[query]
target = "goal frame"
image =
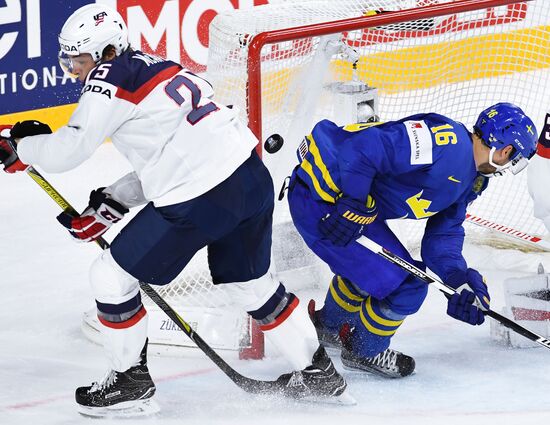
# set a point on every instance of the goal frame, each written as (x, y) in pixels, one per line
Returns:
(248, 63)
(254, 95)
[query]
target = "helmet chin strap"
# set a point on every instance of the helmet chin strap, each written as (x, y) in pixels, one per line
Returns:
(499, 169)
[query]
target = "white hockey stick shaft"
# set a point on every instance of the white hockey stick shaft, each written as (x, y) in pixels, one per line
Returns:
(420, 274)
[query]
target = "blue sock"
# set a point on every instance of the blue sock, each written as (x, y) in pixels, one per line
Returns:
(374, 326)
(342, 304)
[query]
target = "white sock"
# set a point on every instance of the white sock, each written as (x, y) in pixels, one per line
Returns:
(295, 337)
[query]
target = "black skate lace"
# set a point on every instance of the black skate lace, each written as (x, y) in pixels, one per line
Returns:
(386, 359)
(108, 380)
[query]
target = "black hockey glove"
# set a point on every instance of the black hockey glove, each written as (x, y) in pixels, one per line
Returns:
(472, 297)
(345, 223)
(29, 128)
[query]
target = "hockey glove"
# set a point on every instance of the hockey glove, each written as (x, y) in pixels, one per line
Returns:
(8, 147)
(29, 128)
(102, 212)
(8, 151)
(346, 222)
(472, 297)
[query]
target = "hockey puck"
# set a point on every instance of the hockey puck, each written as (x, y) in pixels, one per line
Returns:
(273, 143)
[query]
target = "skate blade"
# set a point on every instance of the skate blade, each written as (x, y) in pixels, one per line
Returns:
(332, 349)
(344, 399)
(122, 410)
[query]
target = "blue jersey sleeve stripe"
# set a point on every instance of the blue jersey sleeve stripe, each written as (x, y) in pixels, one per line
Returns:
(321, 165)
(308, 169)
(316, 171)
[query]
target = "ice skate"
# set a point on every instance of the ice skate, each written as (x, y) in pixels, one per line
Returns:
(319, 382)
(330, 340)
(389, 363)
(120, 394)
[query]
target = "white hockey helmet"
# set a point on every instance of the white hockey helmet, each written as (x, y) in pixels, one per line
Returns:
(90, 29)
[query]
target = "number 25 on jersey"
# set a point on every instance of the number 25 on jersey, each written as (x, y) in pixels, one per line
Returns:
(197, 112)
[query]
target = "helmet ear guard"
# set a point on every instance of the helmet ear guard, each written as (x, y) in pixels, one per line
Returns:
(515, 165)
(505, 124)
(518, 163)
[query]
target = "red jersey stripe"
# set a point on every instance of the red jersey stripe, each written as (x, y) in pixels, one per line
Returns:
(140, 94)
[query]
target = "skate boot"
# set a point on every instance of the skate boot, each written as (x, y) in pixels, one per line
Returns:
(120, 394)
(319, 382)
(389, 363)
(330, 340)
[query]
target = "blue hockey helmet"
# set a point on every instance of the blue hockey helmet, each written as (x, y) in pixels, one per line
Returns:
(506, 124)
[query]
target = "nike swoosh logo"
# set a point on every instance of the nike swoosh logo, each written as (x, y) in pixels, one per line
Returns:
(451, 178)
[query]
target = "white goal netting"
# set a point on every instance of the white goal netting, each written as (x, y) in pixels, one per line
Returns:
(456, 64)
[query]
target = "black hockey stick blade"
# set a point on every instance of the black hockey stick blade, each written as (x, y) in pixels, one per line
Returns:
(420, 274)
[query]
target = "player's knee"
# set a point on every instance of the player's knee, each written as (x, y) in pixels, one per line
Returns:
(109, 281)
(408, 298)
(117, 295)
(345, 293)
(378, 318)
(253, 294)
(283, 319)
(263, 298)
(421, 293)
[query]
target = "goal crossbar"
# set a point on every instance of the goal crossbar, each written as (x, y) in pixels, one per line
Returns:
(352, 24)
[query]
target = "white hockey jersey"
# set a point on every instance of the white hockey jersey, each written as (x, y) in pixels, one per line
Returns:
(161, 118)
(538, 175)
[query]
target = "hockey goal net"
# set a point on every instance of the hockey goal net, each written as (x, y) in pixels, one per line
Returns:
(289, 64)
(286, 65)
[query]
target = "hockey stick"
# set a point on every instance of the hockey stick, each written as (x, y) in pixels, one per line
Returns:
(415, 271)
(531, 240)
(249, 385)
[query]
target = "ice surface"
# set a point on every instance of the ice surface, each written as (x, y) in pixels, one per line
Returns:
(462, 377)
